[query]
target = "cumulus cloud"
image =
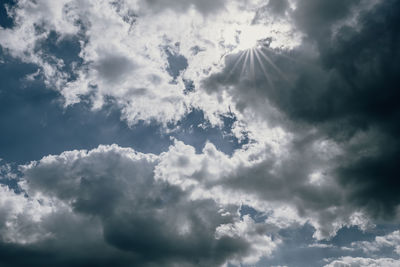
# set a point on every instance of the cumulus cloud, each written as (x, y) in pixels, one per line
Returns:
(331, 87)
(310, 86)
(109, 198)
(205, 7)
(123, 49)
(391, 240)
(268, 182)
(368, 262)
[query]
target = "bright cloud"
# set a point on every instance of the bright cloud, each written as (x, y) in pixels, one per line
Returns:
(275, 126)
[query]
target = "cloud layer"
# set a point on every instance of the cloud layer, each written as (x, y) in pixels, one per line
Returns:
(302, 95)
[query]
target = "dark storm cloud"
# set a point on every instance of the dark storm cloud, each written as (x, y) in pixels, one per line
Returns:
(366, 99)
(373, 180)
(316, 18)
(119, 212)
(81, 244)
(343, 81)
(365, 58)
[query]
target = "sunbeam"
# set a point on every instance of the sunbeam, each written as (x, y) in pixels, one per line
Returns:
(235, 65)
(252, 69)
(249, 58)
(273, 65)
(263, 69)
(245, 63)
(283, 55)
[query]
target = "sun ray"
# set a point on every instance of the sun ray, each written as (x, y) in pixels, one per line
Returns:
(283, 55)
(252, 70)
(242, 54)
(273, 65)
(263, 68)
(245, 63)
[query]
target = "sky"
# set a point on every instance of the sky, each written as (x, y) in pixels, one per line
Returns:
(199, 133)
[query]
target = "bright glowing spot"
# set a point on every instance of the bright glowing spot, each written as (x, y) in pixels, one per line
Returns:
(316, 178)
(248, 36)
(242, 37)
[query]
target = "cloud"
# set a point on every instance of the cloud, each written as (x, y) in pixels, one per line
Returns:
(338, 86)
(368, 262)
(26, 103)
(311, 90)
(113, 67)
(281, 186)
(391, 240)
(205, 7)
(278, 7)
(109, 198)
(121, 50)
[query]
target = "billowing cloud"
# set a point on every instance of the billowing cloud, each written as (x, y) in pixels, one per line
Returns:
(391, 240)
(333, 88)
(367, 262)
(305, 90)
(205, 7)
(124, 50)
(108, 198)
(287, 187)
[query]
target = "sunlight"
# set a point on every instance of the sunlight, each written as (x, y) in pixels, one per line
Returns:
(249, 35)
(256, 47)
(263, 69)
(251, 58)
(273, 64)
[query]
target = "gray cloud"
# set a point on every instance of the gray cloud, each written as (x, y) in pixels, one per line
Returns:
(113, 68)
(316, 18)
(205, 7)
(341, 82)
(335, 95)
(118, 210)
(278, 7)
(358, 262)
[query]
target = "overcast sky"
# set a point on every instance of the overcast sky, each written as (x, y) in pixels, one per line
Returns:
(199, 133)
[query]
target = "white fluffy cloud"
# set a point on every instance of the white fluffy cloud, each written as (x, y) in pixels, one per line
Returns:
(123, 49)
(364, 262)
(280, 68)
(282, 185)
(391, 240)
(20, 217)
